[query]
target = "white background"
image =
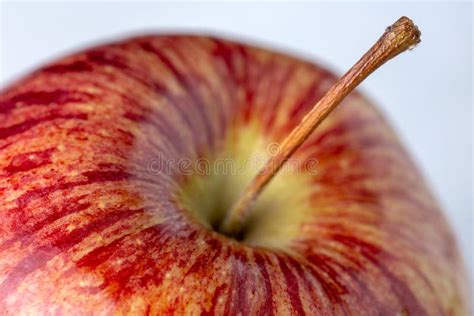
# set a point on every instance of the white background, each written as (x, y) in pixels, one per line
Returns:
(427, 93)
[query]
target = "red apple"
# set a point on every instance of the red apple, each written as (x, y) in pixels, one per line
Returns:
(100, 215)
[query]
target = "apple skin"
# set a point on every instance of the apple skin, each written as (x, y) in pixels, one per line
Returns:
(86, 228)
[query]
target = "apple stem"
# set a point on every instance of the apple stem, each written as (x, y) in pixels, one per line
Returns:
(399, 37)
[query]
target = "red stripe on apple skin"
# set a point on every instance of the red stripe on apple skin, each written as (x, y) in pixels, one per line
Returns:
(22, 127)
(238, 296)
(77, 66)
(214, 301)
(55, 97)
(309, 98)
(93, 176)
(366, 295)
(309, 287)
(222, 54)
(267, 306)
(225, 52)
(28, 161)
(341, 130)
(292, 287)
(334, 287)
(138, 118)
(272, 97)
(206, 259)
(101, 254)
(246, 82)
(105, 58)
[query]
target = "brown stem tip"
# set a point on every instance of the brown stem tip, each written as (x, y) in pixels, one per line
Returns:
(403, 34)
(399, 37)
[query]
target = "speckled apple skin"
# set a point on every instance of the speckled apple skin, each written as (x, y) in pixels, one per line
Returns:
(87, 229)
